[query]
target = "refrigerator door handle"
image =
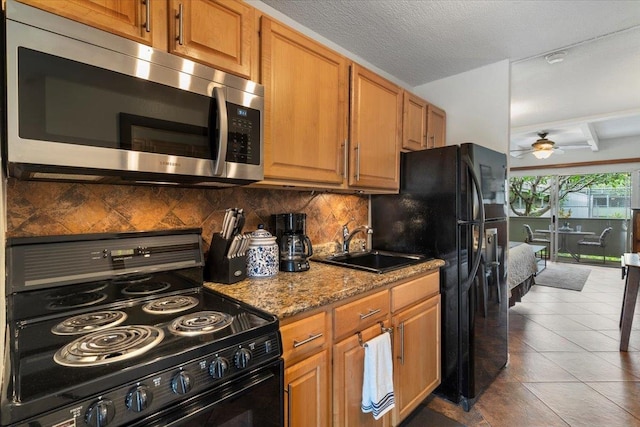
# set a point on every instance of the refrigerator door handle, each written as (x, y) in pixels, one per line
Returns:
(477, 255)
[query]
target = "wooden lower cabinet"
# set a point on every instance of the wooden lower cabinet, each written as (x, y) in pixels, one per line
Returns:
(417, 355)
(306, 392)
(348, 367)
(324, 357)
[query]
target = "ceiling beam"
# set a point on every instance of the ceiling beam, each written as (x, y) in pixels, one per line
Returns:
(574, 122)
(577, 164)
(590, 135)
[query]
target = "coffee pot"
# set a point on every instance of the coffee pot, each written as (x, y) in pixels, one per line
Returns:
(293, 243)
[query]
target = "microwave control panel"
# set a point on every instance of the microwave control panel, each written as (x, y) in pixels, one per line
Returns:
(243, 143)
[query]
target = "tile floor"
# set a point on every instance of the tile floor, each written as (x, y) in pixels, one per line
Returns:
(565, 368)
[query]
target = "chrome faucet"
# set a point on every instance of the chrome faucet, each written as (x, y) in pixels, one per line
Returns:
(347, 236)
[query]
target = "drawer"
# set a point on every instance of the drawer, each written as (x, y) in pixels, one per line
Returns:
(414, 291)
(358, 315)
(304, 337)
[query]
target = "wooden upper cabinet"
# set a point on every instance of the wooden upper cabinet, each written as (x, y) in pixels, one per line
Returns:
(219, 33)
(414, 123)
(436, 127)
(376, 127)
(130, 19)
(306, 111)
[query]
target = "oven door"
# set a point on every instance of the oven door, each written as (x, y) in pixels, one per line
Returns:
(254, 400)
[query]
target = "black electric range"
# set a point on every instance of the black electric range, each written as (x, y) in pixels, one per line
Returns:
(117, 329)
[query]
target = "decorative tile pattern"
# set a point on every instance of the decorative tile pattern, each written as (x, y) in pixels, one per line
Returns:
(52, 208)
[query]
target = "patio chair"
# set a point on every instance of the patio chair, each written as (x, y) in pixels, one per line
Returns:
(595, 242)
(537, 238)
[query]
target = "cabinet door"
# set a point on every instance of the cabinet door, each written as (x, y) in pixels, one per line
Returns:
(414, 122)
(417, 355)
(306, 90)
(348, 369)
(436, 127)
(376, 125)
(218, 33)
(134, 19)
(307, 392)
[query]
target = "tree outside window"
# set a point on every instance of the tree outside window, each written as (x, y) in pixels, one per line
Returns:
(591, 196)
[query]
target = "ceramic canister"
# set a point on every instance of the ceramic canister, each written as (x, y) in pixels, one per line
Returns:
(263, 255)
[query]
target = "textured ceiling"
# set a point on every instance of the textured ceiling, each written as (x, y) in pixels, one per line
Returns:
(419, 41)
(589, 99)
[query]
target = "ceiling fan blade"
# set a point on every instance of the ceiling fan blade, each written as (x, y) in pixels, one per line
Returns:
(519, 154)
(574, 147)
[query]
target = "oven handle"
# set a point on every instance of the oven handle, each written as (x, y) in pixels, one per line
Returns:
(218, 94)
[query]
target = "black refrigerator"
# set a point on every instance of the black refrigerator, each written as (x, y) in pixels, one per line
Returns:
(452, 205)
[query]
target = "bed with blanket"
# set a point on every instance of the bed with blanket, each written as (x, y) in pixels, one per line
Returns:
(521, 270)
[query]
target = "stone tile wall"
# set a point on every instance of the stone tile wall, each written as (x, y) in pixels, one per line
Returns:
(48, 208)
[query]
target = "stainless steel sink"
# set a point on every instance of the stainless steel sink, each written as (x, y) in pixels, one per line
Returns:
(373, 261)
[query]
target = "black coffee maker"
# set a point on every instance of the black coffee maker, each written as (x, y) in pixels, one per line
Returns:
(293, 243)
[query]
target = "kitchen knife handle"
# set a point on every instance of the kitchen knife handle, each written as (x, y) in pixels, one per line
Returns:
(180, 19)
(147, 15)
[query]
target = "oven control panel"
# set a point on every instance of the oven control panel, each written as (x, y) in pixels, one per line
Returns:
(145, 396)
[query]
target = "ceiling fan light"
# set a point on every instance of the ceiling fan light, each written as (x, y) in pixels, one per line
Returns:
(542, 154)
(543, 144)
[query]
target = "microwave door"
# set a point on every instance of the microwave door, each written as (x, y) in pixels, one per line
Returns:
(223, 132)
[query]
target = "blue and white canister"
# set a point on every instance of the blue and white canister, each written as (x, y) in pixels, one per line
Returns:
(263, 255)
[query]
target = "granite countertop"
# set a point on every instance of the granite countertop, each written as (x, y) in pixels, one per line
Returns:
(288, 294)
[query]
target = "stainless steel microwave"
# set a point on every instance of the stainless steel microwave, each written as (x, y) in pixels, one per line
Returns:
(86, 105)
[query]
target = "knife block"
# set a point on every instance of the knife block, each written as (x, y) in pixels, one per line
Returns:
(221, 269)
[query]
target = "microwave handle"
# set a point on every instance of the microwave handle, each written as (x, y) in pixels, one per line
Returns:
(218, 94)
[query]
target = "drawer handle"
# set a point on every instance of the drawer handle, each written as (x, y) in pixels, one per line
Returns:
(308, 340)
(370, 313)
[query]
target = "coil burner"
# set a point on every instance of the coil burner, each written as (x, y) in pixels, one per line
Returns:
(170, 305)
(146, 288)
(90, 322)
(76, 300)
(202, 322)
(109, 346)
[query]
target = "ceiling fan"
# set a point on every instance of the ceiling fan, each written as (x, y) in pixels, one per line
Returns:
(541, 149)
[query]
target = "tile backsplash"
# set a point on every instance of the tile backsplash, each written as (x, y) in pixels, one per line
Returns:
(52, 208)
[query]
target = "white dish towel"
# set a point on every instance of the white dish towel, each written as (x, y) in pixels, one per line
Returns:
(377, 384)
